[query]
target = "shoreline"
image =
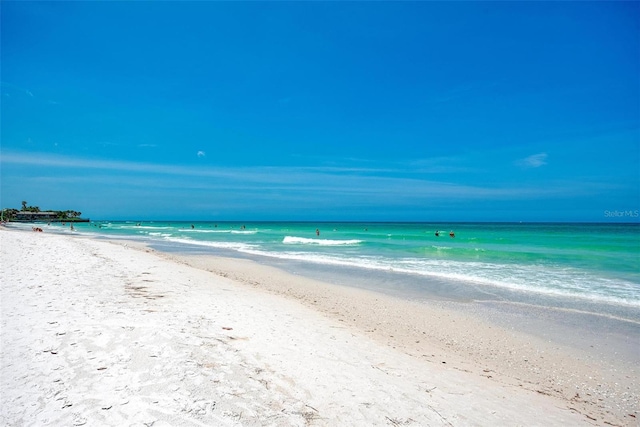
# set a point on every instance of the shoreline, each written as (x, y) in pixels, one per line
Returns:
(432, 336)
(595, 369)
(396, 282)
(461, 335)
(416, 284)
(556, 321)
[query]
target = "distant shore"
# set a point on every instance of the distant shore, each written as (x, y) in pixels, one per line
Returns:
(50, 220)
(116, 331)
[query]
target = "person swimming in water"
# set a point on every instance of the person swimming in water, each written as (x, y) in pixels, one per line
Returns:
(437, 233)
(452, 234)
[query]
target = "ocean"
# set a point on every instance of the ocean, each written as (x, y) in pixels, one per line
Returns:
(593, 268)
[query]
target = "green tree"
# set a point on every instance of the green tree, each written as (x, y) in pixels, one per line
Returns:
(24, 205)
(9, 214)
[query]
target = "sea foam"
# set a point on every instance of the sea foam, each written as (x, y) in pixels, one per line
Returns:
(291, 240)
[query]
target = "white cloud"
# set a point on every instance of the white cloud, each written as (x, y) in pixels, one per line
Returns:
(533, 161)
(282, 190)
(201, 154)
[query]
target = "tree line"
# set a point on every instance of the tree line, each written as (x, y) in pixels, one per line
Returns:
(9, 214)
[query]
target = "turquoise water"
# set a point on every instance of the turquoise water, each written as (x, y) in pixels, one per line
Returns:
(589, 262)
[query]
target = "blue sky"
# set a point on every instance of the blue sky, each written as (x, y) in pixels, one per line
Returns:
(409, 111)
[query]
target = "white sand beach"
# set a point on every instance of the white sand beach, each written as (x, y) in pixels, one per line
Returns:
(103, 333)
